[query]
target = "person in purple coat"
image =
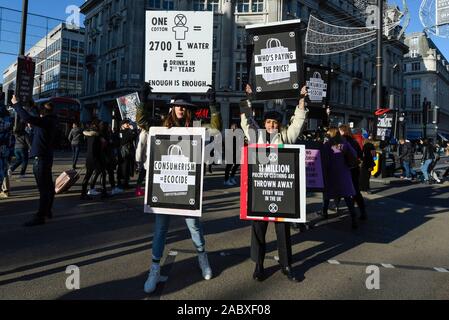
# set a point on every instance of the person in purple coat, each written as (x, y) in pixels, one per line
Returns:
(337, 175)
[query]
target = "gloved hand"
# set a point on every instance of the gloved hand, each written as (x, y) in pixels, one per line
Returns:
(145, 91)
(211, 95)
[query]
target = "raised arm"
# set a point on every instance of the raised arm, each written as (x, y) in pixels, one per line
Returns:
(247, 121)
(24, 115)
(298, 120)
(215, 114)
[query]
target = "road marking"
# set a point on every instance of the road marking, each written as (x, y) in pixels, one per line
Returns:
(389, 266)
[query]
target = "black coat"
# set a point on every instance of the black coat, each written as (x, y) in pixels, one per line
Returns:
(44, 132)
(406, 152)
(367, 159)
(93, 156)
(428, 152)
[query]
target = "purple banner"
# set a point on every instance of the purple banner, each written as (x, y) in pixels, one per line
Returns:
(314, 170)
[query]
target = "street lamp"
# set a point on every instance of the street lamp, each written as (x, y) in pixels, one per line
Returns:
(402, 125)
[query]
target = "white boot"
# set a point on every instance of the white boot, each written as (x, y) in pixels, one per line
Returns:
(153, 278)
(204, 265)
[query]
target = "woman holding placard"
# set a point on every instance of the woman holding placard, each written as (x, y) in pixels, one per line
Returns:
(276, 134)
(180, 115)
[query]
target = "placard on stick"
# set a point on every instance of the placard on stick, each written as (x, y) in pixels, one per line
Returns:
(179, 48)
(175, 171)
(274, 54)
(273, 190)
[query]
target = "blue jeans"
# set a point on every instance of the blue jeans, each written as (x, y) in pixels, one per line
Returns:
(425, 168)
(160, 234)
(3, 170)
(408, 169)
(75, 154)
(21, 159)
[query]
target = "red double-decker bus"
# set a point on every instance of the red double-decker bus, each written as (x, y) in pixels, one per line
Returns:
(68, 111)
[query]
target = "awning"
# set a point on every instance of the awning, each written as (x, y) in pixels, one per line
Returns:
(444, 136)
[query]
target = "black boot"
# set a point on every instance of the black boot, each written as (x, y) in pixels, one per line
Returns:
(37, 221)
(259, 273)
(363, 216)
(85, 197)
(288, 271)
(324, 214)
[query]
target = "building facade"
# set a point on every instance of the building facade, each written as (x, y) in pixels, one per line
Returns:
(59, 59)
(115, 55)
(426, 77)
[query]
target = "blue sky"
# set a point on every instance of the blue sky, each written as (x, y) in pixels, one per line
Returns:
(10, 30)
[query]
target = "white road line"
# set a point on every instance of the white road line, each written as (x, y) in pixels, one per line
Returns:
(333, 261)
(387, 265)
(441, 269)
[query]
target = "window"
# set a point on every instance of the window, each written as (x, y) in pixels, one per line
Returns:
(215, 38)
(114, 39)
(416, 84)
(416, 101)
(414, 53)
(257, 5)
(212, 5)
(65, 44)
(241, 76)
(156, 4)
(416, 118)
(74, 46)
(81, 47)
(240, 38)
(73, 60)
(416, 66)
(405, 67)
(199, 5)
(242, 6)
(168, 4)
(114, 71)
(246, 5)
(414, 42)
(64, 58)
(124, 33)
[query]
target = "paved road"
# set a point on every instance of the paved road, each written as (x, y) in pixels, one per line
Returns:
(406, 236)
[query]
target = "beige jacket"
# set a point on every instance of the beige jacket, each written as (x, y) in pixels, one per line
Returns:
(288, 134)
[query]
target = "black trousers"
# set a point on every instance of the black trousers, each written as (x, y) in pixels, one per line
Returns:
(365, 176)
(258, 244)
(44, 180)
(358, 198)
(91, 168)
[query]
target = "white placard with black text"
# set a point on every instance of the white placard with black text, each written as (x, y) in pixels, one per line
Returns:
(178, 51)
